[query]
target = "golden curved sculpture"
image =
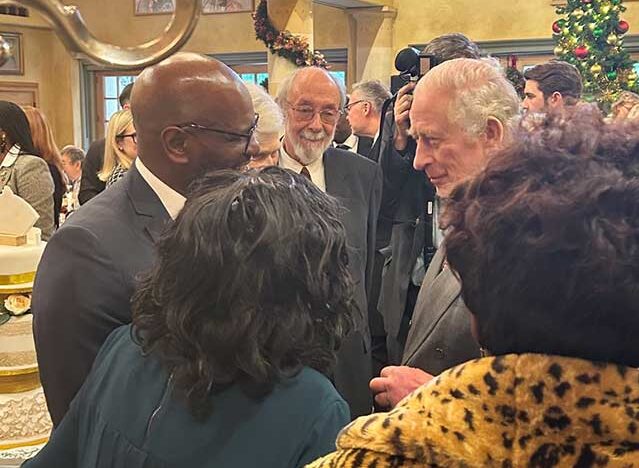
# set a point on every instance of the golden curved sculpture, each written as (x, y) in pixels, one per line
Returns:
(72, 30)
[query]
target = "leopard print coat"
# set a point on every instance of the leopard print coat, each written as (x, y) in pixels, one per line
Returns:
(509, 411)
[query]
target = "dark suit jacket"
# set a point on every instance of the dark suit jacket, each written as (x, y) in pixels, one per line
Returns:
(439, 336)
(90, 185)
(85, 280)
(356, 182)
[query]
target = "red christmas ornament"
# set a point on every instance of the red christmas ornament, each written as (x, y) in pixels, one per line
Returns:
(586, 1)
(581, 52)
(622, 27)
(556, 28)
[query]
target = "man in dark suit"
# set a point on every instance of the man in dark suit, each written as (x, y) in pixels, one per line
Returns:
(90, 184)
(311, 100)
(364, 114)
(192, 114)
(455, 137)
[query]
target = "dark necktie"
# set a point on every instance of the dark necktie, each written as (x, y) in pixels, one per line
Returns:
(305, 173)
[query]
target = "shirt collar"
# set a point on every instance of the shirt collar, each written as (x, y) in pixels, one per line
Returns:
(173, 201)
(11, 156)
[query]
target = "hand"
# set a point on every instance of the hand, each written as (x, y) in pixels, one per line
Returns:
(395, 382)
(401, 111)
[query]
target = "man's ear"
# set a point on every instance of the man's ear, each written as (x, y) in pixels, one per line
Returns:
(556, 100)
(175, 142)
(494, 133)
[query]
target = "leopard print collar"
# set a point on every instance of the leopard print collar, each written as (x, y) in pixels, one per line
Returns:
(507, 411)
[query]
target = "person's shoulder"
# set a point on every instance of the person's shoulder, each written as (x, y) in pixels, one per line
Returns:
(28, 161)
(352, 160)
(317, 388)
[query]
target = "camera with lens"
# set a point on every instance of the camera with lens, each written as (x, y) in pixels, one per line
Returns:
(411, 65)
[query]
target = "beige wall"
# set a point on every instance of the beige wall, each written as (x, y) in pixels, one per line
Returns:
(48, 64)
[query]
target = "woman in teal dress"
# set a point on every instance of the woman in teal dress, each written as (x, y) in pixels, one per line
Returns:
(234, 332)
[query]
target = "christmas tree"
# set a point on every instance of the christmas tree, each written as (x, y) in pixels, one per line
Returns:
(589, 35)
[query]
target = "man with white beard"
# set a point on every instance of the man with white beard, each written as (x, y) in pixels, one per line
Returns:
(312, 101)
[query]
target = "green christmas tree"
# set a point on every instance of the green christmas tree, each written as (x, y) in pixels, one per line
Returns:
(589, 34)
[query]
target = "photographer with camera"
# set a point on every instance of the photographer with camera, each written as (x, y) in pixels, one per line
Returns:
(407, 226)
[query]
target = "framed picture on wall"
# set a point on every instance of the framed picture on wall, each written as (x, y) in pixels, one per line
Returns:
(226, 6)
(15, 64)
(154, 7)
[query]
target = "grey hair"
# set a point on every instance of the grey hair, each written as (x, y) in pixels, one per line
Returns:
(452, 46)
(74, 153)
(479, 89)
(285, 86)
(374, 91)
(271, 117)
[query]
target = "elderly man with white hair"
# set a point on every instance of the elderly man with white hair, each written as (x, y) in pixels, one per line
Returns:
(462, 113)
(312, 101)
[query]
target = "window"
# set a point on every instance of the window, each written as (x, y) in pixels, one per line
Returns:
(113, 86)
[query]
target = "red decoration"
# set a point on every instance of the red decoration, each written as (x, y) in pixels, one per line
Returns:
(581, 52)
(623, 27)
(556, 28)
(586, 1)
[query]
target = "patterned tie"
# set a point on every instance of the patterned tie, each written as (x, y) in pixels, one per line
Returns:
(305, 173)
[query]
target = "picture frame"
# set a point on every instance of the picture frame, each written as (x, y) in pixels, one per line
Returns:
(213, 7)
(153, 7)
(15, 64)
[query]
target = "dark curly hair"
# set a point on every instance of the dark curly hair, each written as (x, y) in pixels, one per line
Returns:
(546, 243)
(250, 286)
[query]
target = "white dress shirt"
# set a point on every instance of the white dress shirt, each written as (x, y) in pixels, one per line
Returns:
(173, 201)
(315, 169)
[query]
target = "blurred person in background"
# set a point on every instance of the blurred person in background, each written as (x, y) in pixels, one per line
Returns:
(21, 169)
(626, 107)
(46, 147)
(270, 127)
(120, 149)
(72, 161)
(90, 184)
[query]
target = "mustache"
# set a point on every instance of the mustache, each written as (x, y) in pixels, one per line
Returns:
(313, 136)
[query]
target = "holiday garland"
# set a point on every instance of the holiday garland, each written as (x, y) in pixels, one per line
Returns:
(284, 43)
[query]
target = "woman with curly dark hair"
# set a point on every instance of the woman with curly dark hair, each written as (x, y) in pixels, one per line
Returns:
(546, 244)
(233, 333)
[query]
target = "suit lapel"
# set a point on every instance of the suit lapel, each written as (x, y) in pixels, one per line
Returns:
(147, 205)
(439, 289)
(335, 179)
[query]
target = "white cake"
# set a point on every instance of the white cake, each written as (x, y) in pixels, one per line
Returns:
(24, 416)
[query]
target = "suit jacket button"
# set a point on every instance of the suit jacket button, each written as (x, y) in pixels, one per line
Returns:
(440, 353)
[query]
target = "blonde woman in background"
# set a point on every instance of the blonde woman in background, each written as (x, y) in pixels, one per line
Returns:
(46, 147)
(120, 149)
(626, 107)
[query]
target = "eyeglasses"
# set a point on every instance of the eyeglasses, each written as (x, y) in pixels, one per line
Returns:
(133, 136)
(248, 135)
(350, 105)
(307, 113)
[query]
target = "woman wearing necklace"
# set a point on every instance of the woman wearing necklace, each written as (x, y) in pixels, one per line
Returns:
(25, 173)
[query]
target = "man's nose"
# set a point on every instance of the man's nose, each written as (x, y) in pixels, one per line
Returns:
(423, 157)
(316, 122)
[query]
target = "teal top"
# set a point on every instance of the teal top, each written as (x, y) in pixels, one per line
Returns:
(126, 416)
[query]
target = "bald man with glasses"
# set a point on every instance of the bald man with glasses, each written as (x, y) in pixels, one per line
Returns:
(312, 101)
(192, 115)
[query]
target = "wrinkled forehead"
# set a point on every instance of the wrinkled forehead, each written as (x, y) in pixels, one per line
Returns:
(315, 89)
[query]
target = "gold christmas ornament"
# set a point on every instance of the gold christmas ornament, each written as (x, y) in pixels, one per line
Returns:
(558, 50)
(596, 69)
(605, 9)
(612, 39)
(592, 26)
(578, 14)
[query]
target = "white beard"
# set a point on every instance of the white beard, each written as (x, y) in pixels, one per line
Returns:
(311, 146)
